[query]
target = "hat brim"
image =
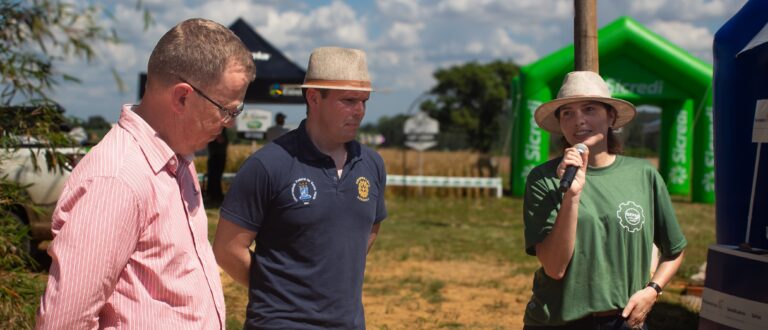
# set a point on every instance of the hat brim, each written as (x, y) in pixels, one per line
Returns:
(545, 113)
(340, 87)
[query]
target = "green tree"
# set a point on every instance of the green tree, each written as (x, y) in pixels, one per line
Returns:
(392, 130)
(97, 123)
(96, 127)
(471, 100)
(35, 35)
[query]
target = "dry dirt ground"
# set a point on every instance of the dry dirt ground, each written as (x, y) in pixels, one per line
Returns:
(444, 294)
(430, 295)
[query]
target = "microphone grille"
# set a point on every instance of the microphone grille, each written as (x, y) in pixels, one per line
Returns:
(581, 147)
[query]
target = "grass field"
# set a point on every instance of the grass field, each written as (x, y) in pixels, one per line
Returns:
(460, 264)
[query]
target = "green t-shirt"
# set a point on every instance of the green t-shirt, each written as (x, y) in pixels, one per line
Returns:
(623, 210)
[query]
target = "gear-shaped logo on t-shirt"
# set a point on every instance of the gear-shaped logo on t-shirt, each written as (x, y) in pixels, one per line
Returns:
(631, 216)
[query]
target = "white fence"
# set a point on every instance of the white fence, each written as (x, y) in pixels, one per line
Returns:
(422, 181)
(445, 181)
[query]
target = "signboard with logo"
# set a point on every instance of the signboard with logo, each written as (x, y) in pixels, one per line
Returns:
(677, 145)
(734, 296)
(532, 148)
(421, 131)
(253, 123)
(278, 90)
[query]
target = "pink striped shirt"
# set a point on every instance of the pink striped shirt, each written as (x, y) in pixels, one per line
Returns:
(130, 247)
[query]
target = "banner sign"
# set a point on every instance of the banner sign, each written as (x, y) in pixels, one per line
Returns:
(253, 123)
(420, 131)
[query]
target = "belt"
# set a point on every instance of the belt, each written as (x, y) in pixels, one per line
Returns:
(613, 312)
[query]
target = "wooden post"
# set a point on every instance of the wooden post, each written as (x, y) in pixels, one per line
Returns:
(405, 173)
(585, 36)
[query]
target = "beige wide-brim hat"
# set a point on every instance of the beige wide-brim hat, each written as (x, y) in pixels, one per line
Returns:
(337, 68)
(582, 86)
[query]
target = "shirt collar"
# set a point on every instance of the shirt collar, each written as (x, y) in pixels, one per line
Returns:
(307, 150)
(156, 151)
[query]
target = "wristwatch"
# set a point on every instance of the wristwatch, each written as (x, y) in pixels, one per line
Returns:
(655, 286)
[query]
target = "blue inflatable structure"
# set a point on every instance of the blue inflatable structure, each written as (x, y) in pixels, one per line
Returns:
(736, 293)
(740, 81)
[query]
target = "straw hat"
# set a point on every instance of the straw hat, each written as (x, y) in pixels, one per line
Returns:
(337, 68)
(582, 86)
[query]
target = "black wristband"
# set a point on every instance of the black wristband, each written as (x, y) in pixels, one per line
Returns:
(655, 286)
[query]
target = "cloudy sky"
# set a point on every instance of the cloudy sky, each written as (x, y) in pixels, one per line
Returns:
(406, 40)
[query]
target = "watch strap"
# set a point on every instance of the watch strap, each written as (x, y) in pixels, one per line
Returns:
(655, 286)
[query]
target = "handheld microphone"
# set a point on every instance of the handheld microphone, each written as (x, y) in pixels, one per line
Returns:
(570, 170)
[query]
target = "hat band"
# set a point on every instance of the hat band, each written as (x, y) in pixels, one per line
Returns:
(338, 83)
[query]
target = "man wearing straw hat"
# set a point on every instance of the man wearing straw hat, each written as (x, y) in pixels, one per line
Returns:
(313, 201)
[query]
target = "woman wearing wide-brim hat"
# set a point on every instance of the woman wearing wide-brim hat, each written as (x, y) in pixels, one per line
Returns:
(594, 241)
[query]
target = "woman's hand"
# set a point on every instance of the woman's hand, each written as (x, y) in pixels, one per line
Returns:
(639, 306)
(572, 157)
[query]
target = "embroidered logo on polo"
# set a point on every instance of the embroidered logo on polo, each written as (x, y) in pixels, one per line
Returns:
(303, 190)
(363, 187)
(631, 216)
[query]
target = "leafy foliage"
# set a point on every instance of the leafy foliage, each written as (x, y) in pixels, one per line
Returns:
(392, 130)
(472, 100)
(37, 33)
(18, 289)
(19, 292)
(97, 122)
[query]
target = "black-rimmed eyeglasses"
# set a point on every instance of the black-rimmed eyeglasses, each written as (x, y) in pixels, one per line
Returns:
(228, 114)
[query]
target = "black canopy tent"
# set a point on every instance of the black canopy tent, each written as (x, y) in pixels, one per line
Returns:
(277, 78)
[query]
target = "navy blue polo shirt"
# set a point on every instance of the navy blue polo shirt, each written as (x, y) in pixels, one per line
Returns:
(313, 229)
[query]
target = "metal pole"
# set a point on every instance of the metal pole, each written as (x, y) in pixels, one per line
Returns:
(421, 172)
(752, 197)
(585, 36)
(413, 104)
(405, 173)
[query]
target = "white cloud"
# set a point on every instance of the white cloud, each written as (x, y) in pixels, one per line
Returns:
(503, 11)
(163, 3)
(504, 46)
(695, 39)
(649, 7)
(460, 5)
(406, 40)
(338, 23)
(401, 10)
(684, 9)
(225, 12)
(474, 48)
(403, 35)
(297, 33)
(500, 45)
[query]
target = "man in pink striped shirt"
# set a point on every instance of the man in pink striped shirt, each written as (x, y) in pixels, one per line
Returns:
(130, 247)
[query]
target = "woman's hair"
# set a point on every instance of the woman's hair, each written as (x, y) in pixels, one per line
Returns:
(614, 144)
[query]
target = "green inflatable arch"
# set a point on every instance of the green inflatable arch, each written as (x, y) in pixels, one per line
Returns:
(645, 69)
